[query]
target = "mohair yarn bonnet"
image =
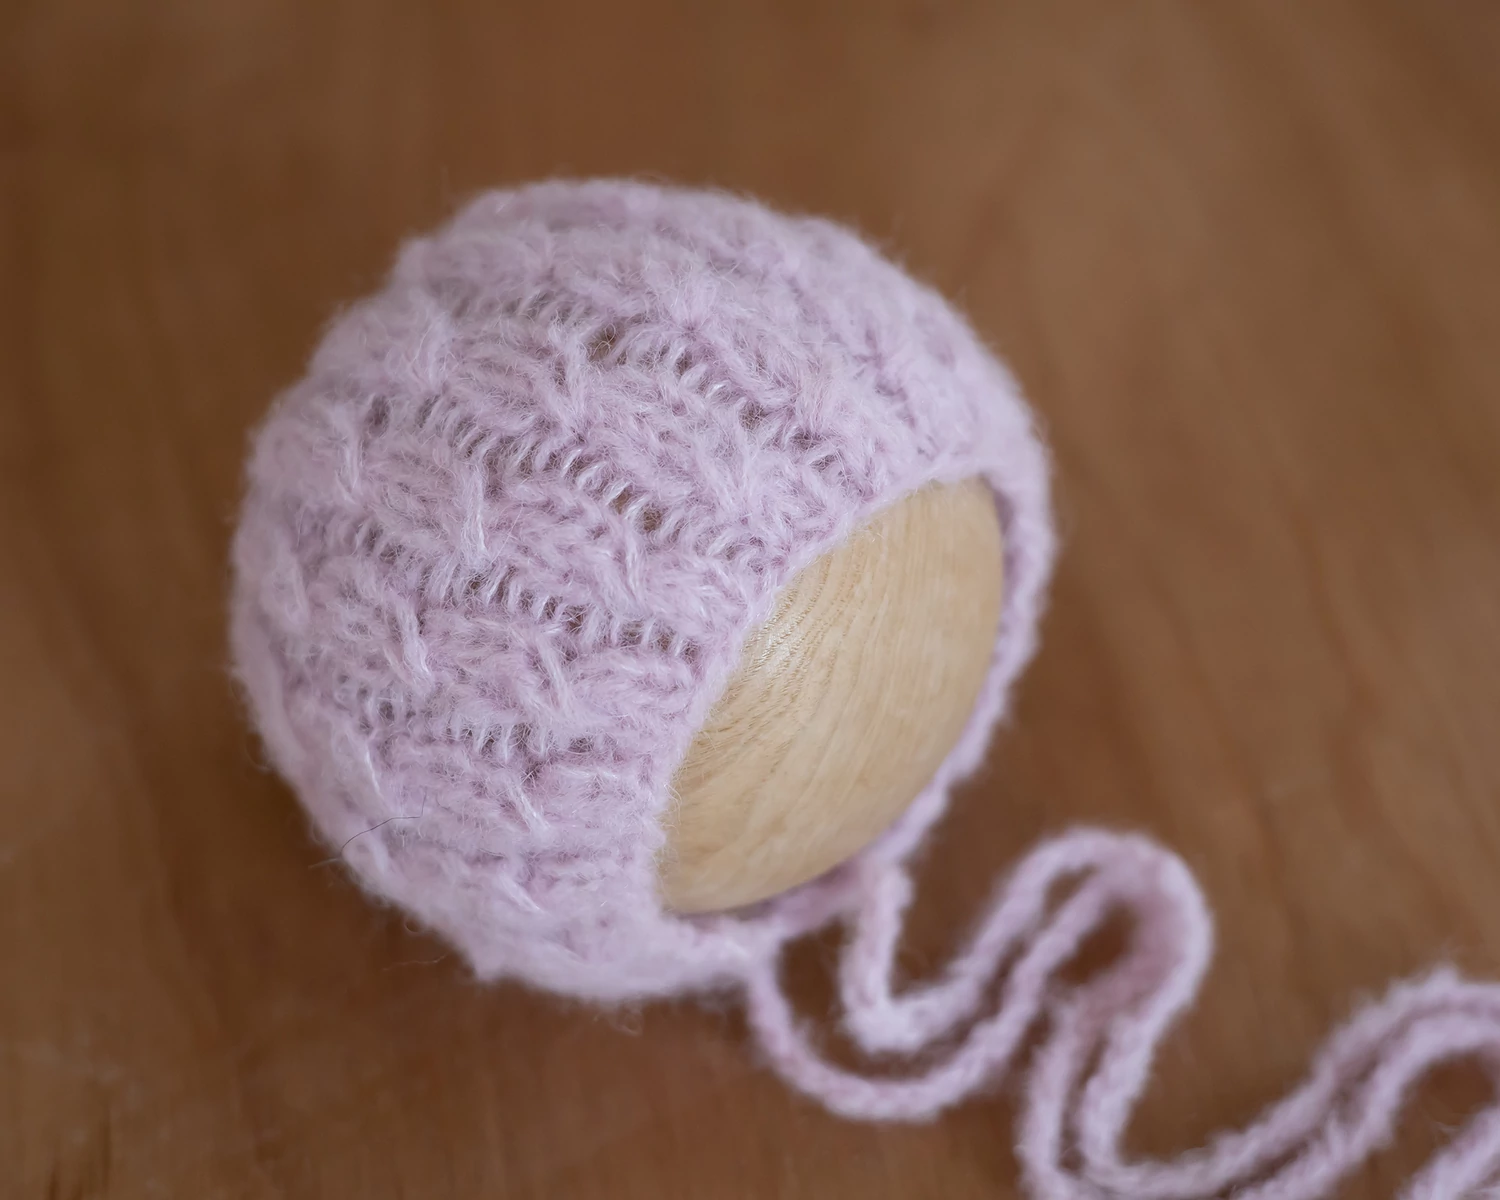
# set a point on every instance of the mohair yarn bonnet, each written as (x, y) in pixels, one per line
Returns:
(498, 555)
(503, 544)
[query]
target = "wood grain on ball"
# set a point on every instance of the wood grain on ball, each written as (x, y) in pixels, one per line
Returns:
(846, 701)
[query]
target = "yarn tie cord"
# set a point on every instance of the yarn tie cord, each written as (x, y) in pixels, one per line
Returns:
(1099, 1038)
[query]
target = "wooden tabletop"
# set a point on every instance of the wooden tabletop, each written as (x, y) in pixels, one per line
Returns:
(1245, 258)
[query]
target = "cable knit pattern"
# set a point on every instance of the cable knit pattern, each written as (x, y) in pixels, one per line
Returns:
(498, 556)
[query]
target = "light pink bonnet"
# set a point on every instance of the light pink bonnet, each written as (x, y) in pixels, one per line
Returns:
(499, 552)
(502, 546)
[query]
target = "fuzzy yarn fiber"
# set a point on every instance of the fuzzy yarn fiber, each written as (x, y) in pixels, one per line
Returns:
(499, 552)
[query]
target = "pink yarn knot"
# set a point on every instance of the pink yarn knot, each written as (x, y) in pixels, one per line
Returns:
(1098, 1039)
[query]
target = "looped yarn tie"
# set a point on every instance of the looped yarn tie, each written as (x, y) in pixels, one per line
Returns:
(1098, 1038)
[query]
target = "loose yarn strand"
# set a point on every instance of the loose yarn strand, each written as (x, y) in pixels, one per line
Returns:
(1100, 1038)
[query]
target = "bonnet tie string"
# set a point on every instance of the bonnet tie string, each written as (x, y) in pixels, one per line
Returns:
(1095, 1041)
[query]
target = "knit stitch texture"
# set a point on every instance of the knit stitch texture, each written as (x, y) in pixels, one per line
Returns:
(503, 544)
(499, 552)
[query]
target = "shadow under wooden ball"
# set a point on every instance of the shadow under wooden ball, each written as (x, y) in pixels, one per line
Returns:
(846, 701)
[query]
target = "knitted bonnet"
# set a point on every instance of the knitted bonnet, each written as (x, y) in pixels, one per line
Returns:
(504, 543)
(499, 553)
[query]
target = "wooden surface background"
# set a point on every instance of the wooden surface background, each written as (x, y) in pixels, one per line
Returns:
(1246, 260)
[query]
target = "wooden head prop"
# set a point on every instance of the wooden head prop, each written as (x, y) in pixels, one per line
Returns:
(843, 705)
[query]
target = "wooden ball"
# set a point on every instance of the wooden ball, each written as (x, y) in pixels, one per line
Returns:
(846, 701)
